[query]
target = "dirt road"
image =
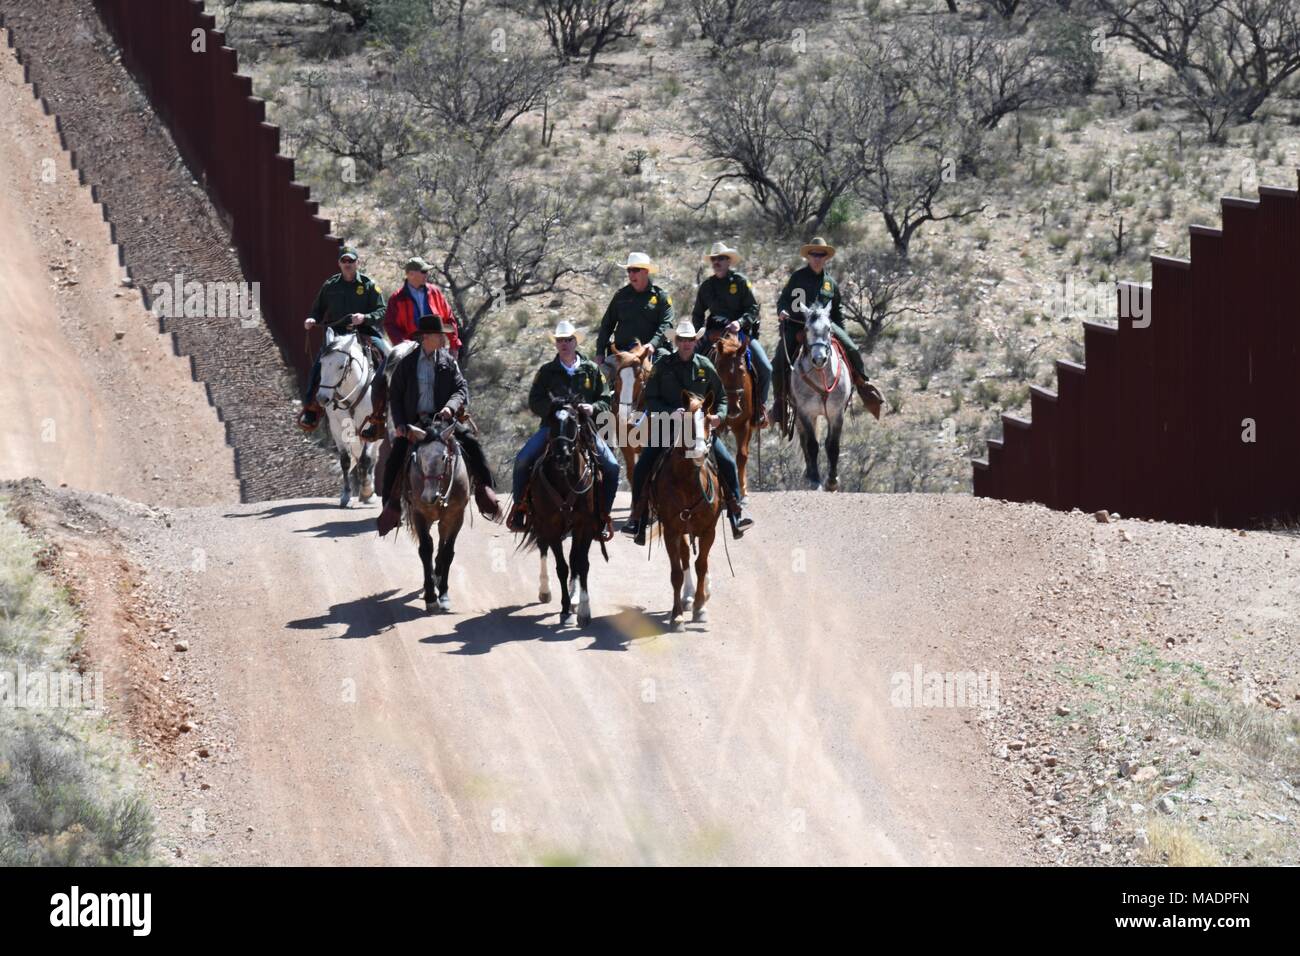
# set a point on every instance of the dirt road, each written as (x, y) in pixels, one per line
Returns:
(362, 731)
(93, 394)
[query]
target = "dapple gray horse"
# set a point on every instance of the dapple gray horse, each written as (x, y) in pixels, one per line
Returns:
(346, 374)
(820, 387)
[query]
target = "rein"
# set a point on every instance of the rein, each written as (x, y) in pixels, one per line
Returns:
(350, 402)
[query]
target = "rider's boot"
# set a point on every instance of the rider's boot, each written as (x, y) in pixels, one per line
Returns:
(738, 518)
(373, 429)
(390, 517)
(635, 523)
(309, 417)
(871, 396)
(486, 499)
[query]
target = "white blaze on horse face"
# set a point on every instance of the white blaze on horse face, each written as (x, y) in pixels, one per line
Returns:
(626, 389)
(698, 442)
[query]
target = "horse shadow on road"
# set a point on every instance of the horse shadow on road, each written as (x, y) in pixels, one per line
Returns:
(366, 616)
(279, 511)
(480, 634)
(363, 524)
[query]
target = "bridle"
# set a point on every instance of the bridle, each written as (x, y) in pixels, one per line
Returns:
(575, 467)
(447, 472)
(735, 366)
(350, 402)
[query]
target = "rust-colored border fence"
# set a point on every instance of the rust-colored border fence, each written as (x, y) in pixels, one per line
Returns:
(192, 80)
(1188, 413)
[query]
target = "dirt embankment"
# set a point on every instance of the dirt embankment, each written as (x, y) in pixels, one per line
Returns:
(165, 227)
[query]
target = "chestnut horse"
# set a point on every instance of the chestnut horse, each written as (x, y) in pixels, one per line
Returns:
(562, 500)
(686, 496)
(630, 373)
(729, 354)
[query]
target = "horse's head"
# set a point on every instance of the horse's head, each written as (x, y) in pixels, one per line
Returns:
(817, 334)
(342, 361)
(433, 461)
(694, 436)
(631, 369)
(565, 426)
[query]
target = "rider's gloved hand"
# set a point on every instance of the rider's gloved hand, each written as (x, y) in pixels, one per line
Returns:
(444, 415)
(356, 319)
(585, 409)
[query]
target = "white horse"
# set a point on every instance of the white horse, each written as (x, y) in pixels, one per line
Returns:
(346, 374)
(821, 384)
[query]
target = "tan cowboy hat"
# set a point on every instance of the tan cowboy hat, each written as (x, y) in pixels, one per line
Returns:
(564, 329)
(638, 260)
(818, 244)
(722, 249)
(686, 329)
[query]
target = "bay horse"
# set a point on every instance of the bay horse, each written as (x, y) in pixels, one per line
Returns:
(630, 373)
(730, 354)
(562, 500)
(346, 374)
(686, 496)
(435, 491)
(821, 385)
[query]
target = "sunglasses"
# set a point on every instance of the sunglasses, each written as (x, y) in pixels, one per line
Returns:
(568, 339)
(817, 255)
(633, 272)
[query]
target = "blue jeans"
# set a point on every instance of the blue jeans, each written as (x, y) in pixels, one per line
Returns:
(532, 450)
(762, 371)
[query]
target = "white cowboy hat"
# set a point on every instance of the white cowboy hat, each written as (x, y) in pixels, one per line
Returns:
(638, 260)
(818, 244)
(564, 329)
(686, 329)
(722, 249)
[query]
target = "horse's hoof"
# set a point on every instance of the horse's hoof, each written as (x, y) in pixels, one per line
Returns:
(832, 486)
(584, 620)
(430, 607)
(566, 617)
(544, 597)
(677, 624)
(343, 500)
(700, 616)
(444, 602)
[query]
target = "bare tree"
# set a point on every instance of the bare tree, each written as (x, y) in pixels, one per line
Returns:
(876, 291)
(495, 237)
(472, 80)
(372, 122)
(904, 138)
(581, 29)
(1228, 56)
(733, 23)
(782, 139)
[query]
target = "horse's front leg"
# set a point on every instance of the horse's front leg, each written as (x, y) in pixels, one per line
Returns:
(743, 433)
(345, 465)
(705, 542)
(833, 451)
(544, 582)
(808, 438)
(448, 528)
(580, 563)
(562, 572)
(426, 558)
(675, 546)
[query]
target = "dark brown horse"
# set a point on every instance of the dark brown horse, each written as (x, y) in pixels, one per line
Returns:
(686, 495)
(729, 354)
(630, 373)
(562, 500)
(435, 492)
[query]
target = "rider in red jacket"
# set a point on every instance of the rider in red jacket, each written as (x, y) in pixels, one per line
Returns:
(405, 305)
